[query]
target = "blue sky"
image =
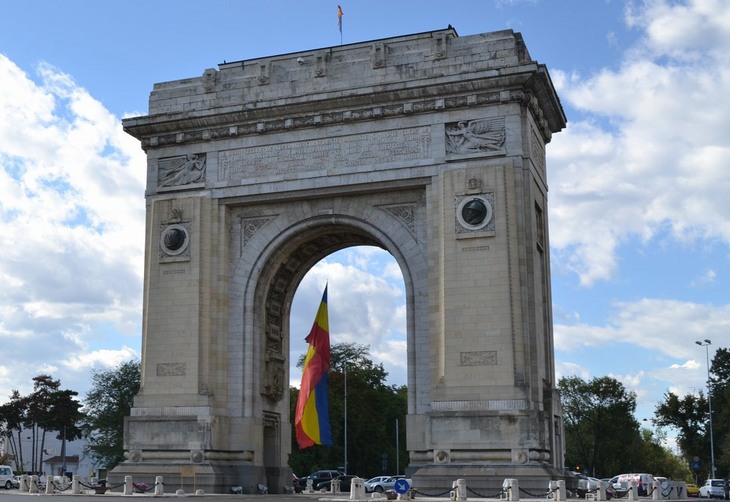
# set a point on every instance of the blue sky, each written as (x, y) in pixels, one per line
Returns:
(639, 212)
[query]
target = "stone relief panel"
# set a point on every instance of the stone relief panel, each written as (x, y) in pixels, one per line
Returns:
(274, 378)
(475, 213)
(483, 136)
(182, 170)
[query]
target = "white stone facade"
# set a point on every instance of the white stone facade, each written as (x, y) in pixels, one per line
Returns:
(431, 146)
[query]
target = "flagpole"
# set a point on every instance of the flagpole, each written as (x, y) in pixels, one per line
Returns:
(345, 371)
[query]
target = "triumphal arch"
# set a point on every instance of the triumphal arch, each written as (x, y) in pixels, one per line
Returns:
(430, 146)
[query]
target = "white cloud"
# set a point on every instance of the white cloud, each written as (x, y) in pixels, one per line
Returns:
(646, 154)
(71, 226)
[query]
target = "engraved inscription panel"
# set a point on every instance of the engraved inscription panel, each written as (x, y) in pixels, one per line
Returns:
(346, 151)
(479, 358)
(170, 369)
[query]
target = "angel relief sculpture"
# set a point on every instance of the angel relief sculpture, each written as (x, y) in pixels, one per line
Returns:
(475, 136)
(182, 170)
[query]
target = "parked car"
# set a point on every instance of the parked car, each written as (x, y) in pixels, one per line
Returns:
(7, 478)
(383, 484)
(713, 488)
(345, 483)
(319, 477)
(693, 490)
(370, 483)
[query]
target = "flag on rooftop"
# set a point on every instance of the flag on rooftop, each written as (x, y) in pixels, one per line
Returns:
(311, 420)
(339, 18)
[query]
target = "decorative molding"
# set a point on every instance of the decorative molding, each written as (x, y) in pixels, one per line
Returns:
(405, 213)
(246, 126)
(249, 226)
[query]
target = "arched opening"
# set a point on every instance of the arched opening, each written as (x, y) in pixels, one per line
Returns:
(287, 259)
(366, 309)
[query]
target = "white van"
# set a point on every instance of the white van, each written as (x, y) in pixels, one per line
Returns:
(7, 478)
(644, 482)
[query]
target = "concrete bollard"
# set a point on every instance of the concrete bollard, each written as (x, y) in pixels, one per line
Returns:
(458, 490)
(49, 485)
(633, 491)
(357, 489)
(128, 488)
(33, 484)
(656, 490)
(557, 490)
(512, 487)
(75, 486)
(310, 486)
(159, 486)
(601, 493)
(24, 484)
(335, 486)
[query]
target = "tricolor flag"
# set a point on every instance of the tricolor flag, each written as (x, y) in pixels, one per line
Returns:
(312, 421)
(339, 18)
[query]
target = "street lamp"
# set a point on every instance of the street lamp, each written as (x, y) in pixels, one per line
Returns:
(706, 344)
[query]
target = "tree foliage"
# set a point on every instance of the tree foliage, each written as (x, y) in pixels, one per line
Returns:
(47, 409)
(601, 433)
(107, 403)
(689, 415)
(374, 410)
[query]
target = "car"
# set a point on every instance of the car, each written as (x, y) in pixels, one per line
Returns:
(7, 478)
(319, 477)
(372, 482)
(693, 490)
(382, 485)
(345, 483)
(713, 488)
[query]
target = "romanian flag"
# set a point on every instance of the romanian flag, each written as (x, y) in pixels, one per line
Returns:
(339, 18)
(312, 421)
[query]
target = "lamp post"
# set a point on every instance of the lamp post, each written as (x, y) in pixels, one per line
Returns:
(706, 344)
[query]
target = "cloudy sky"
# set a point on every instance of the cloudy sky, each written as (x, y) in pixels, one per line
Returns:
(639, 202)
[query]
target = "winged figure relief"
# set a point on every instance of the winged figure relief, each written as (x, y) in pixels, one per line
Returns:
(475, 136)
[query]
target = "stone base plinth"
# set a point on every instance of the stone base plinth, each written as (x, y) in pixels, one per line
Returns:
(211, 477)
(484, 479)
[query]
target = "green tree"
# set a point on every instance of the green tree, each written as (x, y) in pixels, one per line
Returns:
(601, 433)
(374, 410)
(689, 416)
(65, 417)
(12, 417)
(40, 417)
(107, 403)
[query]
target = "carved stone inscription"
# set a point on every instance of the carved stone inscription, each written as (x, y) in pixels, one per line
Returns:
(346, 151)
(479, 358)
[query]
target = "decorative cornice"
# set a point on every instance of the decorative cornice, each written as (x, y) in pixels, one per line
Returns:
(226, 125)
